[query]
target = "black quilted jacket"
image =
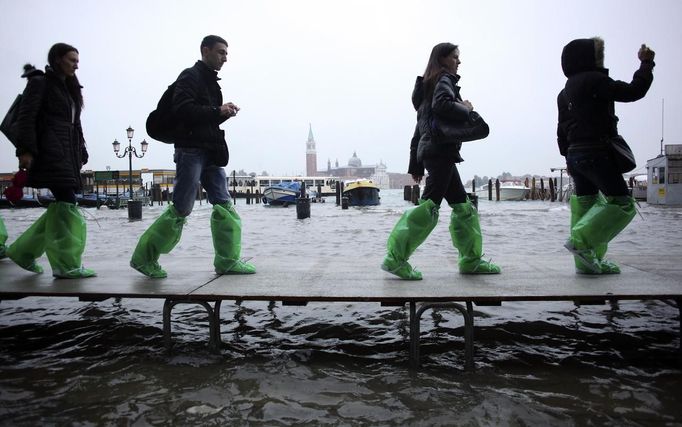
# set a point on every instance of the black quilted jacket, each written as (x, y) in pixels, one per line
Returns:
(48, 126)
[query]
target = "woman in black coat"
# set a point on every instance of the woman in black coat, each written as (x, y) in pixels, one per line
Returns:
(601, 207)
(437, 93)
(51, 147)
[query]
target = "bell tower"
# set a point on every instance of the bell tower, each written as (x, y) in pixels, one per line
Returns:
(310, 154)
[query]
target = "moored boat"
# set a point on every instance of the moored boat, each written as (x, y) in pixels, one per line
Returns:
(283, 194)
(509, 191)
(361, 192)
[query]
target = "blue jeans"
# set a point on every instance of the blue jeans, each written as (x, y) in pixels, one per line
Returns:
(593, 171)
(194, 166)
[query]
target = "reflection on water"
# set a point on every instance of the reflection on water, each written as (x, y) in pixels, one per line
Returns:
(551, 363)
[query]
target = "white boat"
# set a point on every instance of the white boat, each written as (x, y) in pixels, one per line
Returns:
(509, 191)
(282, 194)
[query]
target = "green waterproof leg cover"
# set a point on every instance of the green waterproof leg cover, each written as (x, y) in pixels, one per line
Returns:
(596, 228)
(413, 227)
(579, 207)
(65, 235)
(3, 239)
(465, 231)
(30, 245)
(160, 238)
(226, 229)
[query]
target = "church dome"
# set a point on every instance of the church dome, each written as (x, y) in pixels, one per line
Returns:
(355, 161)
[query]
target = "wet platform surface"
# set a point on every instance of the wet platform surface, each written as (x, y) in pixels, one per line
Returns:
(298, 280)
(357, 279)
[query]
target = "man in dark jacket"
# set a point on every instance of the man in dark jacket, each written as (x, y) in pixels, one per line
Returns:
(200, 154)
(601, 207)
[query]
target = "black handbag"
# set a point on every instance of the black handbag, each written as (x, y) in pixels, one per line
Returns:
(10, 118)
(451, 132)
(622, 154)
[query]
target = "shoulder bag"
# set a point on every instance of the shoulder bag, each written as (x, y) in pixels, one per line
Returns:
(622, 154)
(10, 118)
(449, 132)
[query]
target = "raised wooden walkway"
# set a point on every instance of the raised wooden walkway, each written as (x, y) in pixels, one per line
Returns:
(296, 281)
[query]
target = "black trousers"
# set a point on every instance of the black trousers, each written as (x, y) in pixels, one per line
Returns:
(593, 171)
(443, 182)
(62, 194)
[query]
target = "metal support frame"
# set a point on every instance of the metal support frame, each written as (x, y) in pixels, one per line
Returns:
(468, 314)
(214, 340)
(679, 307)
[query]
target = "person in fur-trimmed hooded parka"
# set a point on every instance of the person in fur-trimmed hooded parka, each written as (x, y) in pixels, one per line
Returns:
(601, 207)
(51, 147)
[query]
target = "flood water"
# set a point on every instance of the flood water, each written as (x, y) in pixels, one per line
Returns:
(65, 362)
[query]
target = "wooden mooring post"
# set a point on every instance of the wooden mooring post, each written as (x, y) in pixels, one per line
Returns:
(338, 193)
(415, 194)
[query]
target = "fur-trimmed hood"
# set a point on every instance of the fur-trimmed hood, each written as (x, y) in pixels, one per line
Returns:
(582, 55)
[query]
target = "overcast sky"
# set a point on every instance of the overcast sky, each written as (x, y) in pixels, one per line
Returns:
(347, 67)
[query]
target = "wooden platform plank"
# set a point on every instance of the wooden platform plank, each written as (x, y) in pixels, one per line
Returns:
(296, 279)
(360, 279)
(114, 278)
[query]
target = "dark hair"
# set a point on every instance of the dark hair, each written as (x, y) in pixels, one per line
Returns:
(56, 52)
(434, 69)
(210, 41)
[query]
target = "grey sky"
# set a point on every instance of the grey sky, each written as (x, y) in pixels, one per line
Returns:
(348, 68)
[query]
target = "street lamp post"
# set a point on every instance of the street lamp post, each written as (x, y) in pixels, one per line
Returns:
(130, 151)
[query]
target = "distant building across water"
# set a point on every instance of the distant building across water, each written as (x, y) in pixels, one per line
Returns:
(354, 169)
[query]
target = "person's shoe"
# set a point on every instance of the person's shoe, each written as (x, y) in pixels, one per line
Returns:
(33, 267)
(605, 267)
(76, 273)
(152, 270)
(609, 267)
(401, 269)
(238, 267)
(478, 266)
(588, 258)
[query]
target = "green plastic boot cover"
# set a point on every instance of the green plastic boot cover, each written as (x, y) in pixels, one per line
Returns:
(226, 229)
(465, 231)
(413, 227)
(160, 238)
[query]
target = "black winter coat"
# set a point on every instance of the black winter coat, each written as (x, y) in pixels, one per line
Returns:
(48, 126)
(586, 104)
(196, 102)
(445, 105)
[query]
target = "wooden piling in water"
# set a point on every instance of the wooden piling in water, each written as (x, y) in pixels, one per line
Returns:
(338, 193)
(415, 194)
(490, 189)
(497, 190)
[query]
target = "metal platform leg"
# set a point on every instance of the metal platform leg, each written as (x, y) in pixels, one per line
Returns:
(213, 321)
(468, 314)
(679, 308)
